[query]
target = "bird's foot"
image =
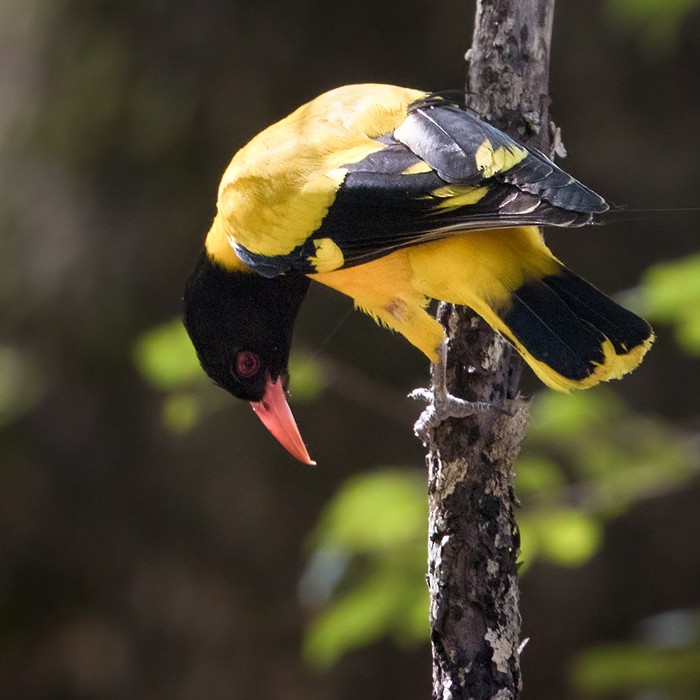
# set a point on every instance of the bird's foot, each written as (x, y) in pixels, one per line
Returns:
(443, 405)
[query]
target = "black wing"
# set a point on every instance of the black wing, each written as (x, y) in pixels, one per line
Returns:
(443, 170)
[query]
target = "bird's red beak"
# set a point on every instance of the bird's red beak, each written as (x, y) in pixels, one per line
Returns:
(275, 413)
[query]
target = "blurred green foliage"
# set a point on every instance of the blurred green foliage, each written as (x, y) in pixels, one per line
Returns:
(166, 358)
(375, 528)
(671, 294)
(654, 23)
(663, 663)
(610, 455)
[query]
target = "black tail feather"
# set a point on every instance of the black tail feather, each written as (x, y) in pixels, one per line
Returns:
(572, 334)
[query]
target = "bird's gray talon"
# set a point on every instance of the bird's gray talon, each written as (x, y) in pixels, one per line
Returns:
(421, 394)
(425, 423)
(443, 405)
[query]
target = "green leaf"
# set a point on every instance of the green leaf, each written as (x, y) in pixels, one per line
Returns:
(371, 547)
(554, 414)
(376, 511)
(535, 475)
(607, 457)
(671, 294)
(570, 537)
(166, 358)
(385, 603)
(181, 411)
(308, 380)
(564, 536)
(671, 288)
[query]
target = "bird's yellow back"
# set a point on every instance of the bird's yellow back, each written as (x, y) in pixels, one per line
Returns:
(279, 187)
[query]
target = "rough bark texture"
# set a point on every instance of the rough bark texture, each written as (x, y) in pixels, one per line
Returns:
(473, 537)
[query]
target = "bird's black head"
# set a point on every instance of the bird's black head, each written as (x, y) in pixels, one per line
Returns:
(241, 325)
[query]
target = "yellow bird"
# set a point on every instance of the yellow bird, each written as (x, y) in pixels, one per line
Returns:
(393, 197)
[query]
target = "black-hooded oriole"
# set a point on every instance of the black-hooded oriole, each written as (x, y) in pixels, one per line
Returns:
(394, 197)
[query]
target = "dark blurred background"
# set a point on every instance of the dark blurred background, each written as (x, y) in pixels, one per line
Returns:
(141, 560)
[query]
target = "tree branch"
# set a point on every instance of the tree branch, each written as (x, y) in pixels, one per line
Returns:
(473, 537)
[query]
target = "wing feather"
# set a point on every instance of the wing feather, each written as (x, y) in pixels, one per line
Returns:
(442, 170)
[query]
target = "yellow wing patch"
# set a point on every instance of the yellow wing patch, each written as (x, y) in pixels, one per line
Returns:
(328, 256)
(490, 161)
(456, 196)
(417, 168)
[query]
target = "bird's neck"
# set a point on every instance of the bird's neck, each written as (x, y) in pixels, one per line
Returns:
(219, 246)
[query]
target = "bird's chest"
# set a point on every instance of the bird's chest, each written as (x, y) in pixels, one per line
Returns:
(383, 285)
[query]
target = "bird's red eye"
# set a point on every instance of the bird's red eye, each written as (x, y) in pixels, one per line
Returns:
(247, 363)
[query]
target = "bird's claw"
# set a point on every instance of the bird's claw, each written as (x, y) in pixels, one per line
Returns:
(421, 394)
(442, 406)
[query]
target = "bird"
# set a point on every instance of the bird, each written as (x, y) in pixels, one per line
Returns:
(395, 197)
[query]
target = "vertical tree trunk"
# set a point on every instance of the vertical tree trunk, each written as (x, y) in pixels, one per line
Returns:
(473, 537)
